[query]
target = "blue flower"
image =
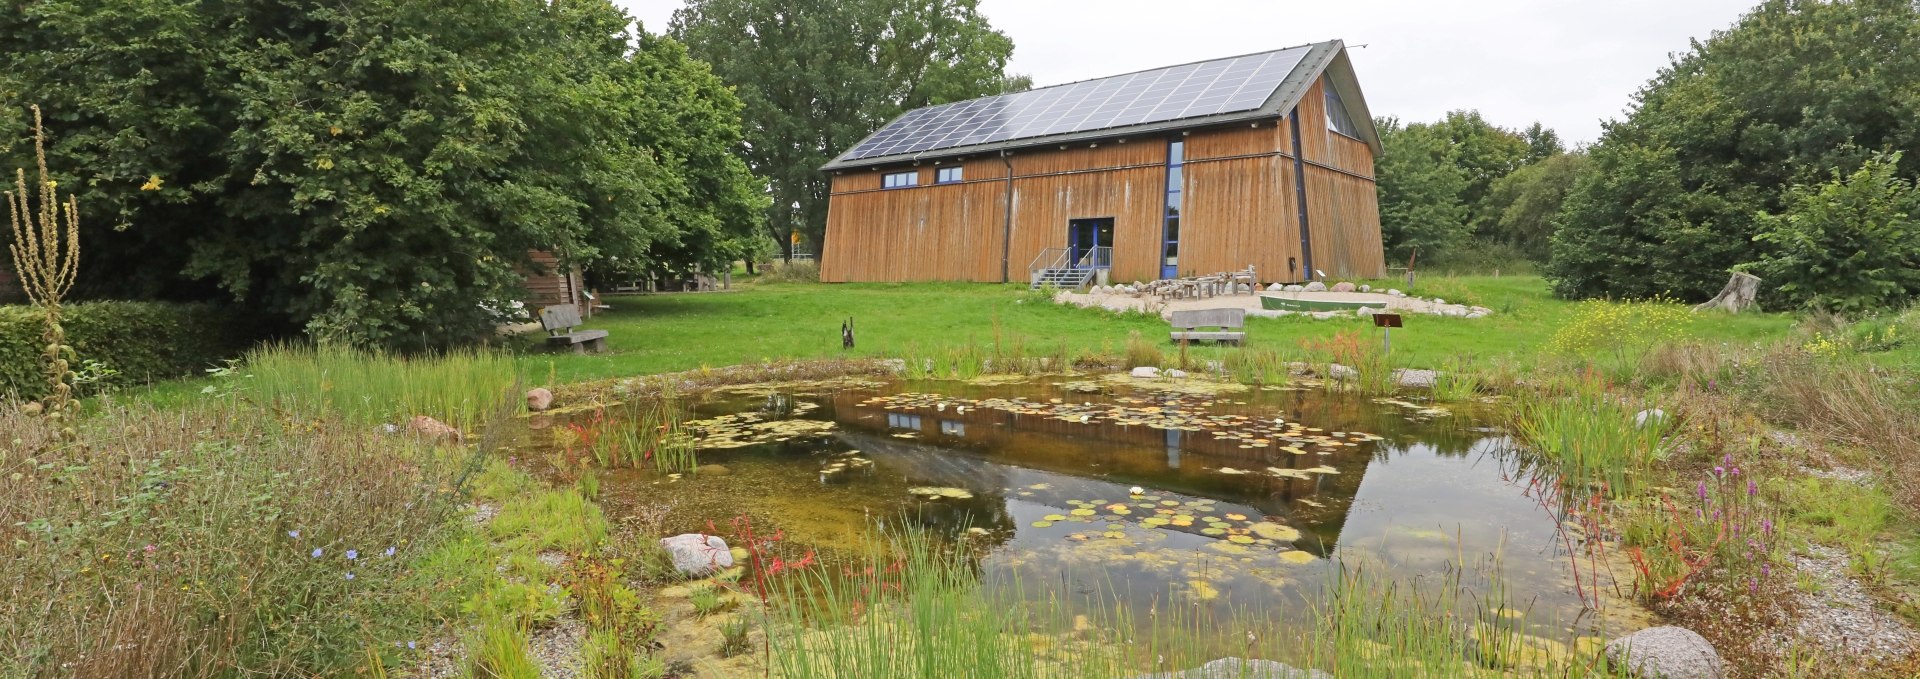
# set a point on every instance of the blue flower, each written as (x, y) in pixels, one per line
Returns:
(410, 646)
(389, 551)
(353, 554)
(349, 576)
(317, 552)
(293, 534)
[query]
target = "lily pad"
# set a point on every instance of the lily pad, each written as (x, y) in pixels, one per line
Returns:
(1297, 556)
(1274, 531)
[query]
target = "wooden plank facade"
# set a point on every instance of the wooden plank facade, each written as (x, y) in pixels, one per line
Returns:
(1240, 184)
(549, 283)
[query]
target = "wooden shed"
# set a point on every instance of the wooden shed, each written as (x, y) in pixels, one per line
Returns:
(1263, 159)
(549, 283)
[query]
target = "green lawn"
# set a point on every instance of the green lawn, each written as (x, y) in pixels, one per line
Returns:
(757, 322)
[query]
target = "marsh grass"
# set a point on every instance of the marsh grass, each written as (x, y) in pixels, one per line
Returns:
(920, 611)
(1265, 367)
(1589, 435)
(1459, 379)
(458, 387)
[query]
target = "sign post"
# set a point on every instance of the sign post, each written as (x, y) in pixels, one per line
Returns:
(1389, 322)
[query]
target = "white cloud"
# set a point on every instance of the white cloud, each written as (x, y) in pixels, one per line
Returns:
(1564, 63)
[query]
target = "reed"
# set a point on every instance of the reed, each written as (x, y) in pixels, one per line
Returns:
(1590, 435)
(459, 387)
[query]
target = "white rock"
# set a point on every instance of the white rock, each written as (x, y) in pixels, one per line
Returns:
(1666, 653)
(1654, 416)
(1341, 372)
(1316, 286)
(1366, 288)
(1276, 287)
(1146, 371)
(1395, 293)
(1416, 378)
(1236, 668)
(1437, 300)
(1175, 373)
(696, 555)
(1365, 312)
(1295, 288)
(1476, 314)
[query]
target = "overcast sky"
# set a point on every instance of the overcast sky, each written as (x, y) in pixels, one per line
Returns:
(1565, 63)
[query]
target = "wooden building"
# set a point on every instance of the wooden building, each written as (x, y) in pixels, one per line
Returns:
(549, 283)
(1263, 159)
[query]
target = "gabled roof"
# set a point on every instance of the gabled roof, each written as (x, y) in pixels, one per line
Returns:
(1259, 86)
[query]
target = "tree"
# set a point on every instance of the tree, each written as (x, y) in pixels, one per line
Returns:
(374, 171)
(1485, 153)
(1850, 244)
(1525, 203)
(1420, 182)
(1542, 143)
(816, 76)
(1794, 90)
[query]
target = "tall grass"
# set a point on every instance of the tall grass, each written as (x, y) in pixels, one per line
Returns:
(923, 612)
(1589, 435)
(458, 387)
(218, 538)
(1258, 366)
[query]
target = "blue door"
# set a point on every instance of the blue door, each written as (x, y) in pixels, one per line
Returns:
(1090, 243)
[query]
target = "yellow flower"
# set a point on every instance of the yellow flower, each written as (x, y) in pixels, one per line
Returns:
(153, 183)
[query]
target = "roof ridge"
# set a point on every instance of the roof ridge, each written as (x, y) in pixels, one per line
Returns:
(1156, 68)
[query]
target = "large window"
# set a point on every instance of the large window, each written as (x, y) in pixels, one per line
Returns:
(1337, 118)
(897, 180)
(948, 175)
(1176, 177)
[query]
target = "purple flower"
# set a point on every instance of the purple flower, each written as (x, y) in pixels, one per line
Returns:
(1753, 585)
(1766, 569)
(1719, 471)
(1766, 526)
(293, 534)
(1726, 459)
(317, 552)
(349, 576)
(1702, 490)
(410, 646)
(1752, 488)
(1736, 471)
(353, 554)
(389, 551)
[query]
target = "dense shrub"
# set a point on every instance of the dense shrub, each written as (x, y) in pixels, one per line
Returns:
(1850, 245)
(137, 342)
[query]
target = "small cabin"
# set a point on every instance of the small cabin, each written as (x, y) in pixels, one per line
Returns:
(1262, 159)
(549, 283)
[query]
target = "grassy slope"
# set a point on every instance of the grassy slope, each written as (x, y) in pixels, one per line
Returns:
(661, 333)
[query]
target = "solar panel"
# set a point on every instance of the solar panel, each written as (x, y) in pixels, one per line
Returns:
(1187, 91)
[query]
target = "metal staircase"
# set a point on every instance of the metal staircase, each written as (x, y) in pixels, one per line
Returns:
(1054, 267)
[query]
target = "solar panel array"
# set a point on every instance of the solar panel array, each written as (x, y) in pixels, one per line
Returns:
(1191, 90)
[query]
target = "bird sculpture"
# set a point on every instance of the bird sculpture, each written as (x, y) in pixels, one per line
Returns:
(846, 334)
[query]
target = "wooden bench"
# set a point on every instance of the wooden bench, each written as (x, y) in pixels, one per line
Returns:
(1230, 321)
(560, 321)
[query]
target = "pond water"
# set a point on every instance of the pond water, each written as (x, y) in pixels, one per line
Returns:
(1228, 497)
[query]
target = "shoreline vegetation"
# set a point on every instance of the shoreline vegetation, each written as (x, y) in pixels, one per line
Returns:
(267, 498)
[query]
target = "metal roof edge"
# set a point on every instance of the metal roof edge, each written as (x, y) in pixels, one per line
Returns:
(1063, 138)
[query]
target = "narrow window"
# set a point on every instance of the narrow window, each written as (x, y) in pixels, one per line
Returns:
(898, 180)
(1170, 234)
(948, 175)
(1337, 118)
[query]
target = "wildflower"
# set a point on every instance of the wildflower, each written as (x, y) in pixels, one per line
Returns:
(349, 576)
(317, 552)
(1719, 471)
(1736, 471)
(389, 551)
(1753, 585)
(293, 534)
(1766, 527)
(410, 646)
(353, 554)
(1702, 490)
(149, 549)
(1752, 488)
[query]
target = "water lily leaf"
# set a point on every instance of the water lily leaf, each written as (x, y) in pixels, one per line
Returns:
(1042, 524)
(1082, 512)
(1274, 531)
(1297, 556)
(1054, 517)
(1237, 517)
(1240, 539)
(1213, 531)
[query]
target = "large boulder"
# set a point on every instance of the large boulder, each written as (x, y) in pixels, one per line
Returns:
(539, 398)
(433, 430)
(1316, 286)
(1239, 668)
(1344, 286)
(695, 555)
(1666, 653)
(1416, 378)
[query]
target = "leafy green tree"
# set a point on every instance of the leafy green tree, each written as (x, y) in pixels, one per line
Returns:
(1850, 244)
(1486, 153)
(1421, 183)
(1525, 203)
(1794, 90)
(1542, 143)
(375, 171)
(816, 76)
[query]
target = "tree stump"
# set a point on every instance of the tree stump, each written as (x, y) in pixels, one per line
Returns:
(1741, 289)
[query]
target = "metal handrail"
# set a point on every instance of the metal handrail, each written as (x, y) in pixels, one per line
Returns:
(1096, 258)
(1058, 260)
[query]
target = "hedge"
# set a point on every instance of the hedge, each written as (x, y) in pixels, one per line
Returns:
(143, 341)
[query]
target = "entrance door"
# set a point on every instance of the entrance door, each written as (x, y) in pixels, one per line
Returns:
(1090, 243)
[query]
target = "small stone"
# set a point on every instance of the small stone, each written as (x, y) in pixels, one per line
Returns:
(696, 555)
(1416, 378)
(1341, 372)
(1175, 373)
(1366, 288)
(1276, 287)
(539, 399)
(1344, 286)
(1294, 288)
(1476, 314)
(1395, 293)
(1653, 416)
(1146, 372)
(1365, 312)
(1666, 653)
(1437, 300)
(1316, 286)
(1241, 288)
(432, 429)
(1238, 668)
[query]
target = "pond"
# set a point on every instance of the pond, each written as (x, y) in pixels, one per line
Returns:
(1225, 496)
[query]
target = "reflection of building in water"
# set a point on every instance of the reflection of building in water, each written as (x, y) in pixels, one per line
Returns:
(1120, 455)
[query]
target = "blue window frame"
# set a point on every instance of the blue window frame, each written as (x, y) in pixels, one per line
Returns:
(900, 180)
(948, 175)
(1170, 237)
